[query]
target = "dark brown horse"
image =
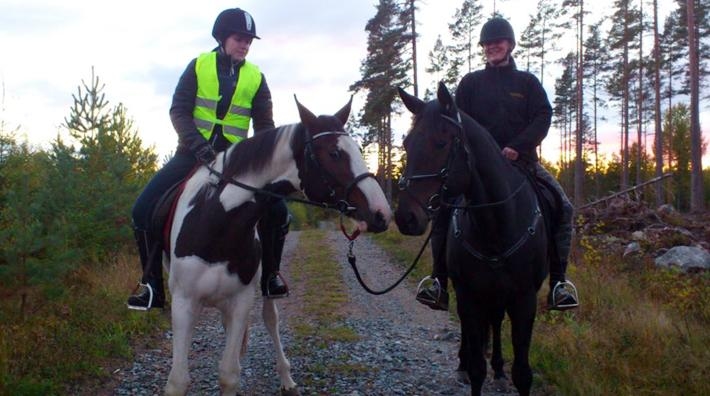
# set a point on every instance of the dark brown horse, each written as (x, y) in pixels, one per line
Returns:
(496, 246)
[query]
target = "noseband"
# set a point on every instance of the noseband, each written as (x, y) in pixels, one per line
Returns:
(342, 205)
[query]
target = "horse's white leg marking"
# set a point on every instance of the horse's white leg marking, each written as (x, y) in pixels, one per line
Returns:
(185, 312)
(271, 320)
(235, 314)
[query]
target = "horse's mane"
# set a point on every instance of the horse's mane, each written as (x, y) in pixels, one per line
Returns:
(252, 155)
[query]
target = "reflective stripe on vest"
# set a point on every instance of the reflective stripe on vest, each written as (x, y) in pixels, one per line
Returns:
(235, 123)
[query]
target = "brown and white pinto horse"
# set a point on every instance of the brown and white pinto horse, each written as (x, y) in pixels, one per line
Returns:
(214, 253)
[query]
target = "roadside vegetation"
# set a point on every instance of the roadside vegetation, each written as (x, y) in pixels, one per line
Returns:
(639, 329)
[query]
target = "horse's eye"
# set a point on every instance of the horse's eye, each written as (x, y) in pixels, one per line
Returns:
(335, 154)
(439, 144)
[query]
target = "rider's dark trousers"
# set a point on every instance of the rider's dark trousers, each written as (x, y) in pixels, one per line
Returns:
(563, 229)
(562, 236)
(175, 170)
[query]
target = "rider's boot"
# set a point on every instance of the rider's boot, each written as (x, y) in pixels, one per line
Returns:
(150, 292)
(434, 294)
(273, 239)
(563, 294)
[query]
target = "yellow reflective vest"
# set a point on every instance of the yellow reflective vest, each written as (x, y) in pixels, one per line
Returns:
(235, 123)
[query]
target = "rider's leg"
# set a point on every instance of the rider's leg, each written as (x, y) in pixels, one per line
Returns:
(272, 229)
(436, 295)
(152, 292)
(563, 294)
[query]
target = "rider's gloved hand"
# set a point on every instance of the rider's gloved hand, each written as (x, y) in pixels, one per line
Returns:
(205, 153)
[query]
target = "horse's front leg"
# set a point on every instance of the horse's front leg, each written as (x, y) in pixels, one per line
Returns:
(271, 320)
(522, 318)
(475, 327)
(235, 316)
(497, 361)
(185, 312)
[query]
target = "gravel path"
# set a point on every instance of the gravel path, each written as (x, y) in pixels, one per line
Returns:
(403, 348)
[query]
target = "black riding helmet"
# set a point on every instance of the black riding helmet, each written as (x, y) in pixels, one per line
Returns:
(233, 20)
(496, 29)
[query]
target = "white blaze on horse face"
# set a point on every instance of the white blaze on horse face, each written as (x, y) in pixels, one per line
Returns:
(375, 196)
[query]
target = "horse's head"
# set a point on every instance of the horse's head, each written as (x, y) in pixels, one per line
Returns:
(333, 172)
(433, 150)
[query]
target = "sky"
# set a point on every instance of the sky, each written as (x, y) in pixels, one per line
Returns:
(139, 49)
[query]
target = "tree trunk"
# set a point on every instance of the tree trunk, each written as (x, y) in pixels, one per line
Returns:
(414, 48)
(579, 160)
(657, 105)
(696, 172)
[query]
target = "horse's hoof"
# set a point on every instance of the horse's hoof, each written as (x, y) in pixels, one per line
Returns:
(501, 385)
(290, 392)
(462, 377)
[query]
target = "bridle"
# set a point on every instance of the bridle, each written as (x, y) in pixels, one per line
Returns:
(433, 204)
(342, 205)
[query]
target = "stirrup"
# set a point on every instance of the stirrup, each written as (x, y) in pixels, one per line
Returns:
(151, 294)
(420, 287)
(572, 290)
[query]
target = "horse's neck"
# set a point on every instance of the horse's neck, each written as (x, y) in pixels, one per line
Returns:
(494, 183)
(279, 167)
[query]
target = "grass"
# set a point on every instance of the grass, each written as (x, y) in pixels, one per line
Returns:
(77, 336)
(324, 293)
(639, 330)
(324, 296)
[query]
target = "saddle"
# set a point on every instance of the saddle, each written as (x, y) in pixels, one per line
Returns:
(161, 219)
(549, 199)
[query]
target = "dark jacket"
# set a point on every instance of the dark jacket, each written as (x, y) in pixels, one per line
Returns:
(189, 138)
(511, 104)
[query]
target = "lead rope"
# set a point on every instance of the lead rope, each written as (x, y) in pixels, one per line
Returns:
(352, 260)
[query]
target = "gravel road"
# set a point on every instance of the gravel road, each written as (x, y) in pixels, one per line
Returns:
(403, 348)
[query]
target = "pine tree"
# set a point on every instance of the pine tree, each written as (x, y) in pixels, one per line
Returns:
(383, 70)
(464, 32)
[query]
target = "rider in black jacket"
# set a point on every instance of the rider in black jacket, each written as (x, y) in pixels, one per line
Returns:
(513, 106)
(203, 131)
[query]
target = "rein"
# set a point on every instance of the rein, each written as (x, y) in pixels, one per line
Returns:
(352, 260)
(342, 206)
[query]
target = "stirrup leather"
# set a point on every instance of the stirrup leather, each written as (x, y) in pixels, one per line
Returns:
(151, 295)
(572, 290)
(435, 282)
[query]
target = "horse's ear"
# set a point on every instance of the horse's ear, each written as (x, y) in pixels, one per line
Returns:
(307, 117)
(445, 99)
(411, 102)
(343, 113)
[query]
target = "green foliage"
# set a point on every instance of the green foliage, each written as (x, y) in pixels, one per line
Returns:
(305, 216)
(64, 216)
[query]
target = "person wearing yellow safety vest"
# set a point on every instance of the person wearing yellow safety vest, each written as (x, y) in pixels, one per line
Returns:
(216, 98)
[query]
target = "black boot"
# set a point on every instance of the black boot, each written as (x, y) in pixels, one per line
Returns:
(273, 237)
(435, 295)
(150, 291)
(563, 294)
